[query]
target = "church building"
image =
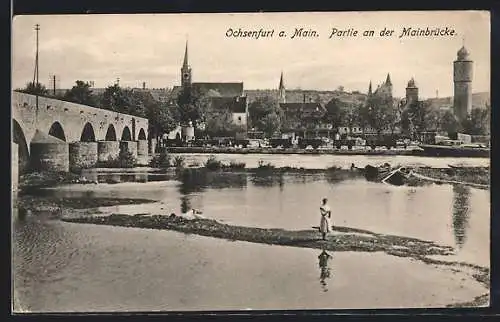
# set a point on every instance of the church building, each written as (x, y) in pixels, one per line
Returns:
(227, 95)
(302, 119)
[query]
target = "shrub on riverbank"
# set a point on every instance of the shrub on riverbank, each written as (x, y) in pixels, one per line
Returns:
(124, 160)
(179, 162)
(162, 160)
(265, 166)
(237, 165)
(213, 164)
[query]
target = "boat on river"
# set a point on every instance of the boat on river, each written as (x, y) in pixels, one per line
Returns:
(463, 150)
(385, 174)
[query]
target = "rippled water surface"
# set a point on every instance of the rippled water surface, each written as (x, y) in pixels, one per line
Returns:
(76, 267)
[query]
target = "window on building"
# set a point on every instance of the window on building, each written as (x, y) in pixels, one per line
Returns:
(239, 118)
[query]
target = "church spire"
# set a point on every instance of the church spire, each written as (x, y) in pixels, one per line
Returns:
(185, 63)
(370, 88)
(388, 80)
(185, 69)
(281, 90)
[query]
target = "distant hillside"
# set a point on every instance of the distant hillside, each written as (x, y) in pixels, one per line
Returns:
(479, 100)
(297, 95)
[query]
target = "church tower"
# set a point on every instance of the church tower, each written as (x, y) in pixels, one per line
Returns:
(186, 70)
(462, 79)
(281, 91)
(370, 89)
(411, 92)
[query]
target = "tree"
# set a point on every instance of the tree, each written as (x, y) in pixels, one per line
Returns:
(417, 112)
(260, 108)
(335, 112)
(114, 99)
(81, 94)
(266, 115)
(449, 123)
(477, 122)
(161, 118)
(125, 101)
(379, 113)
(219, 122)
(193, 105)
(270, 123)
(38, 89)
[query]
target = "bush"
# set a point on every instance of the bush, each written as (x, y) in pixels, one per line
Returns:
(265, 166)
(179, 161)
(124, 160)
(237, 165)
(213, 164)
(161, 161)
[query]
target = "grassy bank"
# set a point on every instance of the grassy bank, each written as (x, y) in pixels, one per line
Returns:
(474, 175)
(56, 208)
(345, 239)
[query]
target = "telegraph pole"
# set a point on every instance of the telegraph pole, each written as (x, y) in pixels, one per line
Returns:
(52, 79)
(35, 75)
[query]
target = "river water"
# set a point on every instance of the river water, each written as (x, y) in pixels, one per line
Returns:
(67, 267)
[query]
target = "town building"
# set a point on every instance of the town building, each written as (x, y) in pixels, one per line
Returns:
(303, 119)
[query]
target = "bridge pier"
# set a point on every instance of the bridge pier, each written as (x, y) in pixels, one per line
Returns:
(49, 153)
(82, 155)
(142, 152)
(152, 146)
(130, 146)
(107, 150)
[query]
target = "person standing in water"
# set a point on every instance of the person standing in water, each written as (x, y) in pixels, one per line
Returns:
(326, 214)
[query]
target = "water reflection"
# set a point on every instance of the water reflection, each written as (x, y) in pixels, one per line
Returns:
(197, 180)
(185, 204)
(267, 179)
(325, 272)
(461, 206)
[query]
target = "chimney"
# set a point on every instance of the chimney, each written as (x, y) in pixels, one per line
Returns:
(143, 85)
(304, 98)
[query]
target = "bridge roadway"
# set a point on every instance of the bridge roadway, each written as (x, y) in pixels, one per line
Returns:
(59, 135)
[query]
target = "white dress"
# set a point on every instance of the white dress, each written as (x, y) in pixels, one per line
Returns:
(324, 225)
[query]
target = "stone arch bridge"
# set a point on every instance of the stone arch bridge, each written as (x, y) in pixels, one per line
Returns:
(59, 134)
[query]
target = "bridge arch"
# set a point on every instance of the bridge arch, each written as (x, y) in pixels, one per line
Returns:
(110, 133)
(57, 131)
(88, 134)
(126, 135)
(22, 145)
(142, 135)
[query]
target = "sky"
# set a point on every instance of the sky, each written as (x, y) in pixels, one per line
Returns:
(150, 48)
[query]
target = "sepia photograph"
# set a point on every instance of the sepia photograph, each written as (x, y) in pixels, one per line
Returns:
(250, 161)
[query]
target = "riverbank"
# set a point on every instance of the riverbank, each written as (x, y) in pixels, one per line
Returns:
(330, 151)
(475, 176)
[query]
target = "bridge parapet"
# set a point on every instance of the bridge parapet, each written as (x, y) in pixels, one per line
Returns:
(72, 117)
(77, 125)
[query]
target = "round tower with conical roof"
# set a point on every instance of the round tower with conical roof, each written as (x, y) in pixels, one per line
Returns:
(462, 79)
(411, 92)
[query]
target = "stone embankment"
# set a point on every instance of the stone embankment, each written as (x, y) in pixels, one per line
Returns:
(234, 150)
